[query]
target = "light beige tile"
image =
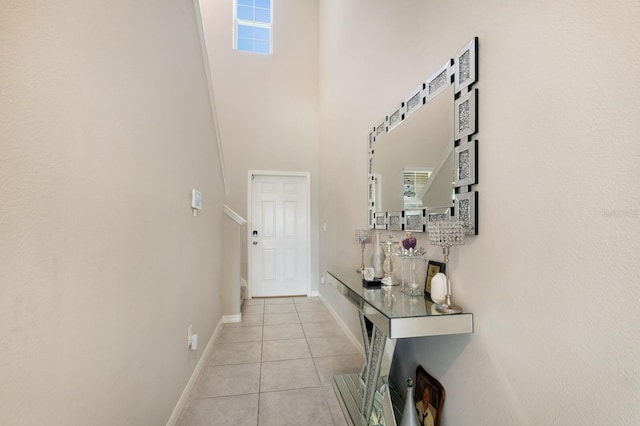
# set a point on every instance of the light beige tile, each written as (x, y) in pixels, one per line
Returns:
(295, 407)
(277, 319)
(280, 309)
(334, 407)
(277, 300)
(311, 307)
(253, 310)
(253, 301)
(322, 329)
(288, 374)
(322, 316)
(301, 300)
(331, 346)
(227, 380)
(284, 331)
(240, 334)
(333, 365)
(239, 410)
(276, 350)
(247, 321)
(236, 353)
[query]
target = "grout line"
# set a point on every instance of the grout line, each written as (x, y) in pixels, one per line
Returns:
(313, 359)
(296, 389)
(261, 364)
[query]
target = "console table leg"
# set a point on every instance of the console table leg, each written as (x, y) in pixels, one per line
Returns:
(374, 361)
(367, 344)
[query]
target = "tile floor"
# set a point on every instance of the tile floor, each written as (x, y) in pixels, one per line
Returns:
(276, 367)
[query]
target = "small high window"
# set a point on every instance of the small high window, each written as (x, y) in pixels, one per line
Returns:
(253, 25)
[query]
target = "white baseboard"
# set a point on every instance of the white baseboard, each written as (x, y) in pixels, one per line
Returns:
(231, 318)
(184, 398)
(314, 294)
(354, 339)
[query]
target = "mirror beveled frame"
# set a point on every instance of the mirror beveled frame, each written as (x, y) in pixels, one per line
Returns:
(461, 72)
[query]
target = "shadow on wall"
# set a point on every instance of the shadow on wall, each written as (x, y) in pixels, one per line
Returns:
(436, 354)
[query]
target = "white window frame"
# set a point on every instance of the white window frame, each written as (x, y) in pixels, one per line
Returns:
(255, 24)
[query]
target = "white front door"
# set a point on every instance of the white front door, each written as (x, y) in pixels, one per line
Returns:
(279, 235)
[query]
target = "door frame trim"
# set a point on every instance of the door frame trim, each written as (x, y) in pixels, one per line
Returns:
(251, 174)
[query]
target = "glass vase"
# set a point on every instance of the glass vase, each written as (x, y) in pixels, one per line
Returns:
(409, 414)
(377, 257)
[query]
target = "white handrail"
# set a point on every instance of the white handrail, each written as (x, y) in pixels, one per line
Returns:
(212, 101)
(233, 215)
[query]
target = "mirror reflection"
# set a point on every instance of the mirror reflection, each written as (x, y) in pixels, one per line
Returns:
(413, 163)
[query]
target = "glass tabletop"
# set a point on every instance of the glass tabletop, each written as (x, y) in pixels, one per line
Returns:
(397, 313)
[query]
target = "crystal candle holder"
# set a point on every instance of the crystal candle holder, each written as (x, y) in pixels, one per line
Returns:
(363, 236)
(446, 233)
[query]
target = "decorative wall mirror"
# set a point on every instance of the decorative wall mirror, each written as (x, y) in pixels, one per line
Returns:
(422, 161)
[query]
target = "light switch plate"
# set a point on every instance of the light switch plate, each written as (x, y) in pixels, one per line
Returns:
(196, 199)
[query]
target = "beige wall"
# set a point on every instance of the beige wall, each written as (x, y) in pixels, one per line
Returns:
(552, 279)
(268, 104)
(105, 127)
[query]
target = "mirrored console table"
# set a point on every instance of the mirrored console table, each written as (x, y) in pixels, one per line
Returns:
(386, 314)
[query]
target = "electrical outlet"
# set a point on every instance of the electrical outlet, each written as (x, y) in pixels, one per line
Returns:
(189, 335)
